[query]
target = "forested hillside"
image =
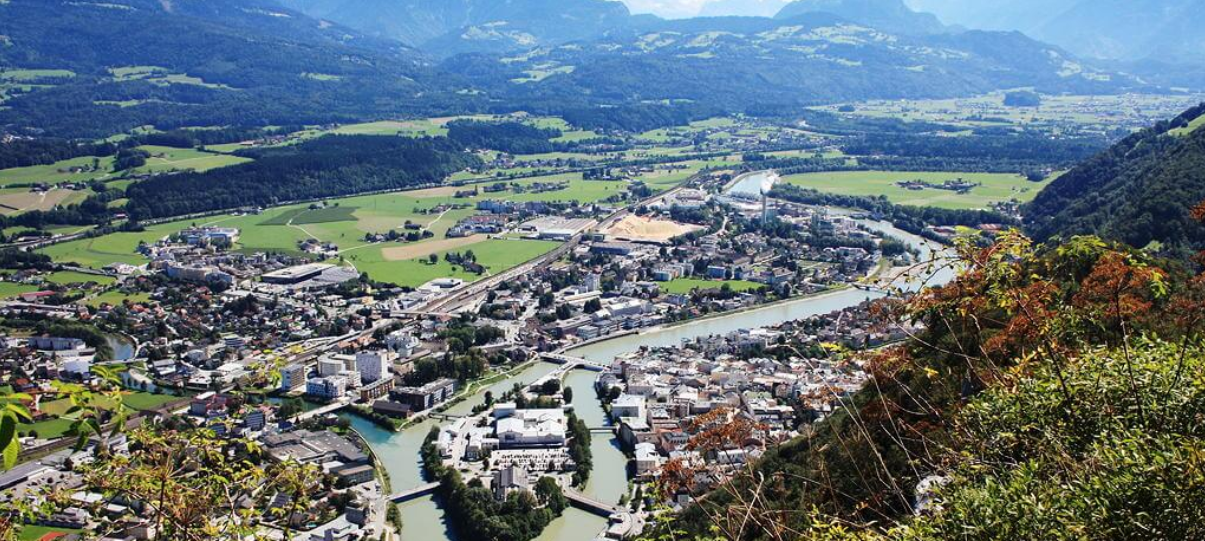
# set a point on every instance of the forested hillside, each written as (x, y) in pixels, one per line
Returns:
(1139, 191)
(325, 167)
(748, 64)
(95, 69)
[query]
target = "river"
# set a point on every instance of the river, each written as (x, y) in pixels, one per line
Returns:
(398, 452)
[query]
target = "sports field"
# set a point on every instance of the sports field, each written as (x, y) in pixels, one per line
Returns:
(995, 187)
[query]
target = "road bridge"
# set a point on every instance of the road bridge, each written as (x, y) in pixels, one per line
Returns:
(417, 492)
(588, 504)
(580, 362)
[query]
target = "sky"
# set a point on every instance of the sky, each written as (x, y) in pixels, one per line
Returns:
(691, 8)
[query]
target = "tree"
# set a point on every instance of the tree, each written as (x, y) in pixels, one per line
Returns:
(567, 395)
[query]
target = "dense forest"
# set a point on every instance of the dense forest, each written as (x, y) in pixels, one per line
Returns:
(28, 152)
(510, 137)
(1141, 190)
(325, 167)
(1022, 148)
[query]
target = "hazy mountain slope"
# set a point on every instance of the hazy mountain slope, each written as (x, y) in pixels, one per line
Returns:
(195, 62)
(889, 15)
(1023, 15)
(446, 27)
(1166, 30)
(1139, 191)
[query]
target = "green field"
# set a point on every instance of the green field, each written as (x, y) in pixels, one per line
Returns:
(27, 76)
(686, 285)
(34, 533)
(131, 73)
(9, 290)
(70, 277)
(496, 255)
(303, 216)
(414, 128)
(1191, 127)
(59, 171)
(179, 159)
(116, 298)
(996, 187)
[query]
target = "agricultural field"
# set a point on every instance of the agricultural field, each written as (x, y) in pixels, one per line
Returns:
(33, 75)
(496, 255)
(996, 187)
(10, 290)
(686, 285)
(17, 200)
(178, 159)
(116, 298)
(73, 170)
(1098, 112)
(280, 230)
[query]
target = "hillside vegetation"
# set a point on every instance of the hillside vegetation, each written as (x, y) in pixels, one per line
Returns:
(1139, 191)
(1055, 395)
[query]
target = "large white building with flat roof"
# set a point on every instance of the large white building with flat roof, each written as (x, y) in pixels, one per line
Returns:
(532, 428)
(298, 274)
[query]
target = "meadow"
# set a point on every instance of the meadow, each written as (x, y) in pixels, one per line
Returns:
(174, 159)
(996, 187)
(72, 170)
(10, 290)
(280, 229)
(687, 285)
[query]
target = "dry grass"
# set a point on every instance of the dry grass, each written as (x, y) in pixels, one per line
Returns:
(424, 249)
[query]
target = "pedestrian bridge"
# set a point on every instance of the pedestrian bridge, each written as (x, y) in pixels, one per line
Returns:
(414, 493)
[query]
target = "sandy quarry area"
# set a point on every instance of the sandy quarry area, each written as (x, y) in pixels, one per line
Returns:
(424, 249)
(641, 229)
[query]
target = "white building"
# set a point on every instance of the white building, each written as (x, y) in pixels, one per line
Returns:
(542, 427)
(373, 365)
(326, 388)
(628, 405)
(402, 342)
(648, 461)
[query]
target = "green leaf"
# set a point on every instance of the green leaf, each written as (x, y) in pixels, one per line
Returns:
(8, 440)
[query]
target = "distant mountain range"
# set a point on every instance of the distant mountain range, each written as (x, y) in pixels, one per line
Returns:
(814, 58)
(889, 15)
(1139, 192)
(256, 62)
(1166, 31)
